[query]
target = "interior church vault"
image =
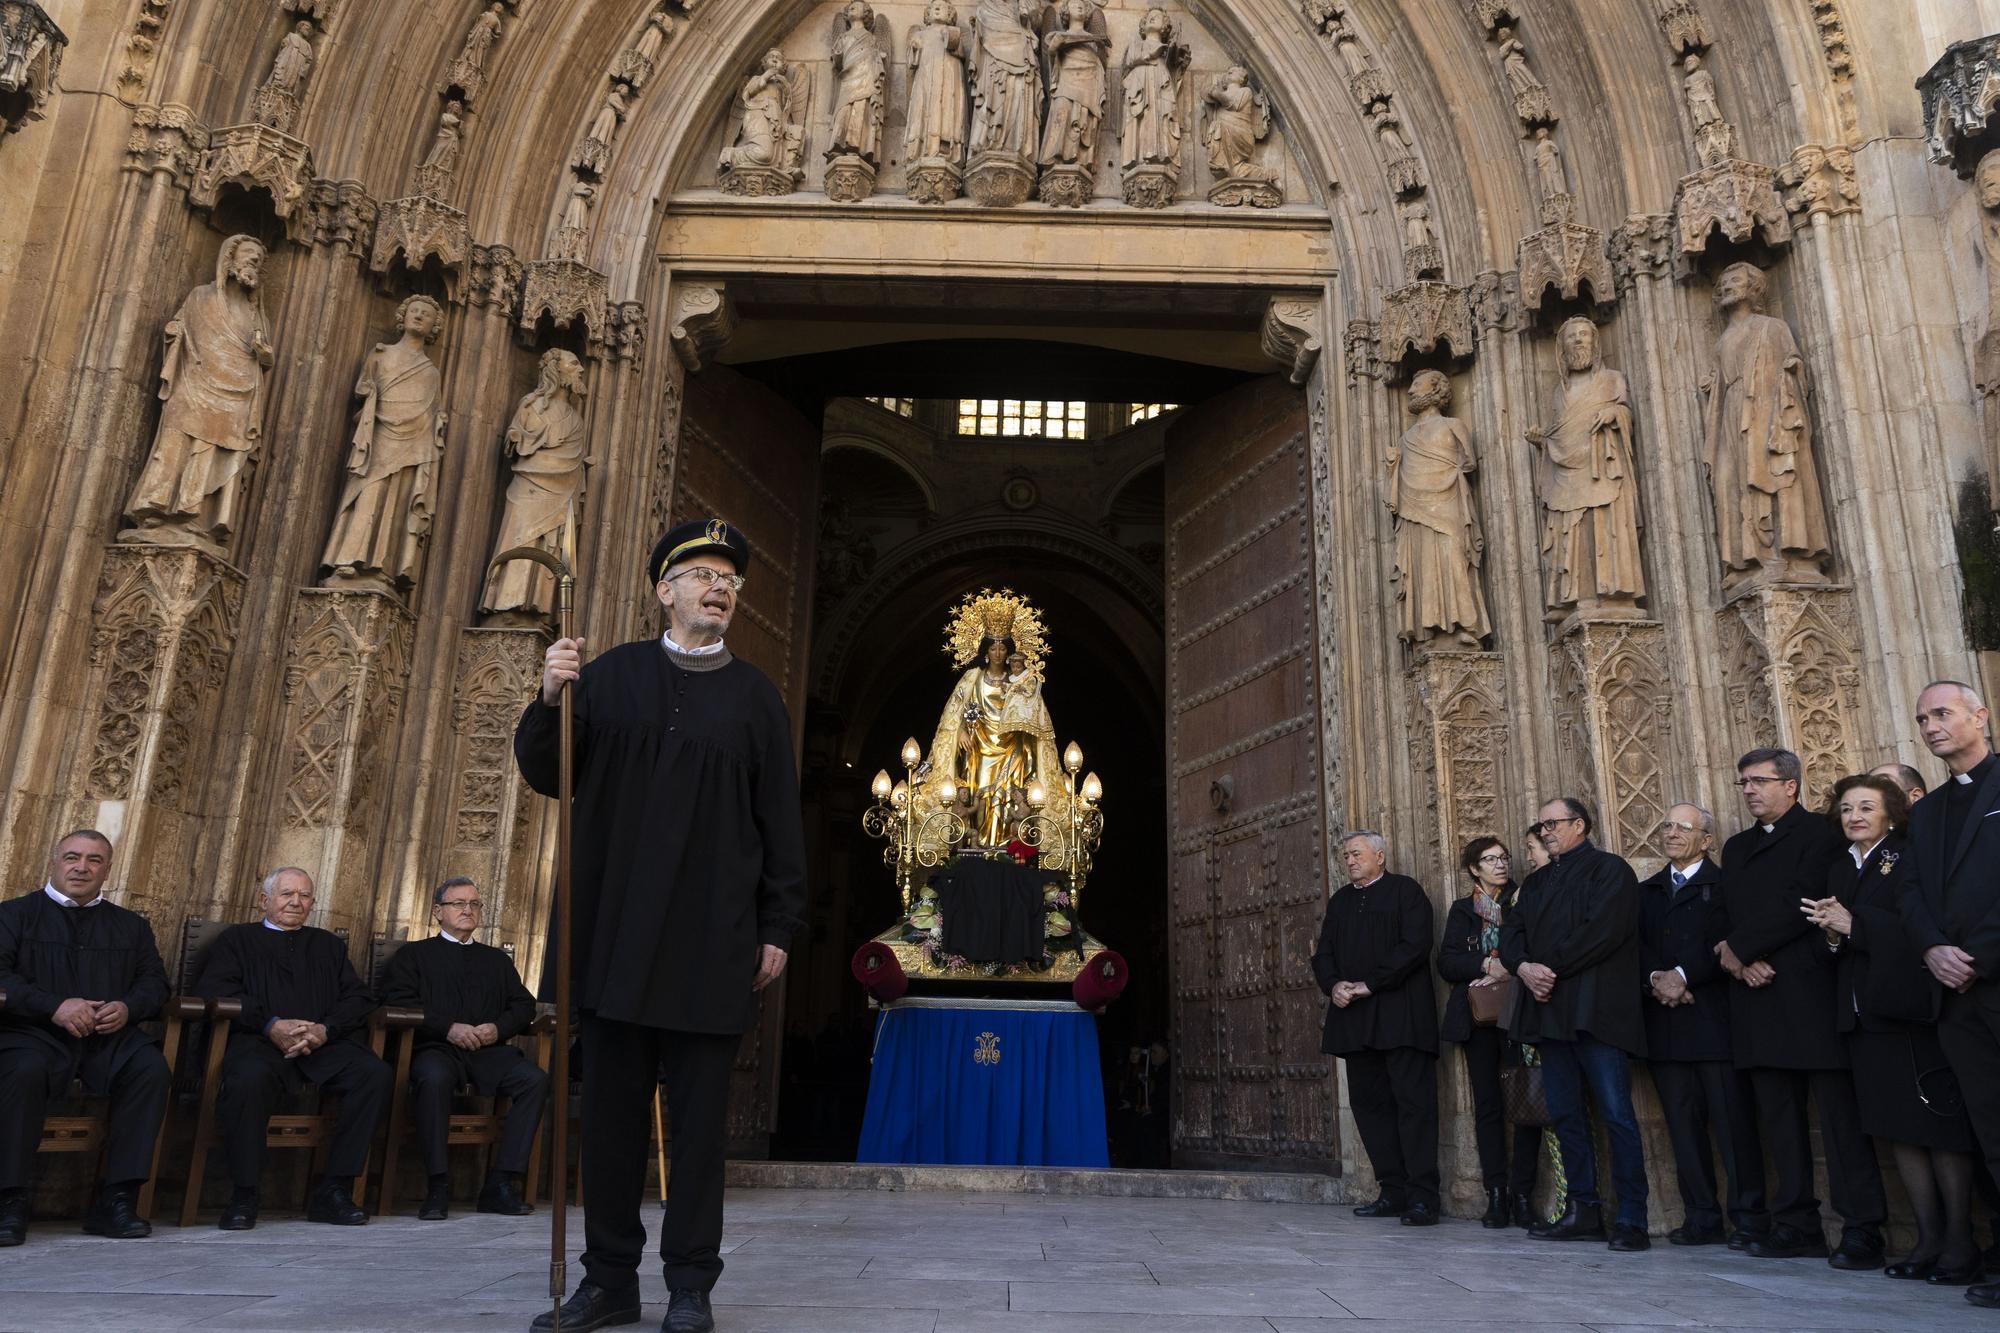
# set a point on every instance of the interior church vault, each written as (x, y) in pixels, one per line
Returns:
(1279, 215)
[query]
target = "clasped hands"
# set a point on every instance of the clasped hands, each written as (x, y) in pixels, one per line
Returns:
(296, 1036)
(81, 1018)
(1345, 993)
(1670, 988)
(1829, 915)
(1754, 975)
(1539, 979)
(472, 1036)
(1952, 966)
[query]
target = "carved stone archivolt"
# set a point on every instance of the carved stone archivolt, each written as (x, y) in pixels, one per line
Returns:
(1792, 675)
(31, 52)
(1960, 95)
(1614, 724)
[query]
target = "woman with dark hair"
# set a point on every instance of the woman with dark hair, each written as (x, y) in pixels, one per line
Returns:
(1469, 956)
(1887, 1007)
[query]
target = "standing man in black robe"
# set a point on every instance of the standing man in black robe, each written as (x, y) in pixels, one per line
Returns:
(1782, 1019)
(1573, 940)
(1703, 1094)
(688, 882)
(474, 1005)
(80, 973)
(1373, 962)
(303, 1020)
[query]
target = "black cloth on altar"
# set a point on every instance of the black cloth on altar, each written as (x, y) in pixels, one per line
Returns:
(992, 910)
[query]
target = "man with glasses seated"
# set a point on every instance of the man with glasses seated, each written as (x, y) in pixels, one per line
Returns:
(474, 1005)
(1782, 1019)
(1702, 1093)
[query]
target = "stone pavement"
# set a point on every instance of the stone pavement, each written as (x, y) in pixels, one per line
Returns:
(825, 1261)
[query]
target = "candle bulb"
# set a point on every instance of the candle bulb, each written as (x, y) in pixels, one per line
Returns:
(911, 753)
(948, 791)
(1073, 757)
(1037, 794)
(900, 796)
(1093, 790)
(882, 785)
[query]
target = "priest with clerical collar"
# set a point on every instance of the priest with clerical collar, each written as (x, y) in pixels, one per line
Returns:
(303, 1018)
(688, 883)
(80, 973)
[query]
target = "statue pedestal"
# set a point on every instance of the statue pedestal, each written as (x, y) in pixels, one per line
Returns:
(1065, 185)
(162, 629)
(1792, 674)
(1613, 697)
(1000, 180)
(496, 830)
(1239, 191)
(1458, 745)
(935, 180)
(347, 656)
(757, 182)
(1151, 185)
(849, 179)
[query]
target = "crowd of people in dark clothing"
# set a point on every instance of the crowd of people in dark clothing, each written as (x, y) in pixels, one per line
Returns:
(1839, 966)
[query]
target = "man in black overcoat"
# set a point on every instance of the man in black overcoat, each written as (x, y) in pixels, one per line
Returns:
(474, 1005)
(1373, 962)
(303, 1020)
(1702, 1093)
(688, 885)
(1952, 910)
(1573, 940)
(1782, 1020)
(80, 973)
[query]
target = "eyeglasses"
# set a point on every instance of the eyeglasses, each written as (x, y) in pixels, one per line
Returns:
(1669, 825)
(1745, 784)
(1548, 826)
(708, 578)
(461, 903)
(1494, 859)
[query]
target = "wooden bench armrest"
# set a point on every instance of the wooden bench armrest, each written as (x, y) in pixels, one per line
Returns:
(187, 1008)
(227, 1008)
(397, 1018)
(543, 1023)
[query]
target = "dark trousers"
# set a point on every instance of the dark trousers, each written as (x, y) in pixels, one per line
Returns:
(1485, 1050)
(1705, 1099)
(255, 1076)
(1394, 1094)
(1969, 1031)
(1570, 1071)
(1853, 1176)
(622, 1064)
(436, 1075)
(125, 1066)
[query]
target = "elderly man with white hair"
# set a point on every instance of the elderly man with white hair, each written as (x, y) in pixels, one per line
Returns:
(303, 1020)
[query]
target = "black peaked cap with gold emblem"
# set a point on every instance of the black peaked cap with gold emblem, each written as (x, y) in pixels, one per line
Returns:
(697, 536)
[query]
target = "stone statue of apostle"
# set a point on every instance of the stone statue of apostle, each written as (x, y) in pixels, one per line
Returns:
(1439, 545)
(1590, 510)
(546, 442)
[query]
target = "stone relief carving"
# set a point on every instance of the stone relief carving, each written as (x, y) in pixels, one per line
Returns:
(703, 320)
(1361, 350)
(1699, 88)
(31, 52)
(593, 154)
(1820, 182)
(1493, 14)
(166, 141)
(1588, 486)
(1439, 541)
(1564, 258)
(495, 277)
(1791, 670)
(342, 215)
(1986, 358)
(1423, 316)
(1757, 442)
(277, 100)
(383, 521)
(1006, 101)
(1531, 97)
(258, 157)
(1614, 724)
(1495, 300)
(1150, 145)
(1642, 246)
(860, 66)
(213, 382)
(1292, 335)
(1682, 24)
(549, 457)
(1736, 198)
(571, 238)
(493, 677)
(1076, 48)
(439, 168)
(466, 78)
(566, 290)
(1421, 255)
(1558, 205)
(1405, 173)
(1458, 723)
(770, 145)
(142, 47)
(934, 131)
(1960, 93)
(635, 64)
(1364, 81)
(419, 228)
(1239, 119)
(628, 332)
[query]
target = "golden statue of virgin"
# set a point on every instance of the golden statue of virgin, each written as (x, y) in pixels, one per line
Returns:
(995, 740)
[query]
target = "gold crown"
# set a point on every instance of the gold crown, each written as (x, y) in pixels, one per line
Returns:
(987, 614)
(998, 618)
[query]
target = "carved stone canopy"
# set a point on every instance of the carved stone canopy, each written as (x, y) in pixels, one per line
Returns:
(1565, 258)
(31, 52)
(419, 228)
(1420, 318)
(1736, 198)
(566, 291)
(1959, 94)
(257, 157)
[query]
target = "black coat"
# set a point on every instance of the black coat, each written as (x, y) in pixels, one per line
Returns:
(457, 983)
(1680, 929)
(1461, 960)
(1957, 880)
(689, 848)
(50, 953)
(1379, 935)
(303, 973)
(1579, 915)
(1788, 1024)
(1880, 981)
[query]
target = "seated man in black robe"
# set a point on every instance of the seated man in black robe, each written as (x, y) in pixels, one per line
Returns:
(304, 1016)
(80, 974)
(474, 1005)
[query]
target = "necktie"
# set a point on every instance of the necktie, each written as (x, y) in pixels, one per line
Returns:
(1679, 879)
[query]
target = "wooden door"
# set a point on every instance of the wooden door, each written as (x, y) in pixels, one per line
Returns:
(1245, 823)
(749, 458)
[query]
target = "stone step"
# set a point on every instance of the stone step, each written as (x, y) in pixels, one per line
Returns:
(1243, 1186)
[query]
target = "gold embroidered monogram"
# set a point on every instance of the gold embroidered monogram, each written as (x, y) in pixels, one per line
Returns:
(987, 1052)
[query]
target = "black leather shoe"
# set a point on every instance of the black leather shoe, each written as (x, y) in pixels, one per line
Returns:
(436, 1206)
(687, 1312)
(503, 1196)
(331, 1204)
(1940, 1276)
(1629, 1240)
(1785, 1242)
(237, 1215)
(1693, 1235)
(112, 1215)
(1911, 1270)
(13, 1221)
(1986, 1295)
(591, 1307)
(1583, 1221)
(1496, 1210)
(1857, 1253)
(1420, 1215)
(1380, 1207)
(1741, 1240)
(1523, 1211)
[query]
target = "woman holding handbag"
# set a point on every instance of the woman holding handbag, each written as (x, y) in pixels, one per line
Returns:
(1481, 994)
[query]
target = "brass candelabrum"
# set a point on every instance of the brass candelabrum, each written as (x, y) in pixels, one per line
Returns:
(1077, 829)
(914, 839)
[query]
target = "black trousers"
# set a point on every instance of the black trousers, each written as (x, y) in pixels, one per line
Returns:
(255, 1076)
(1969, 1031)
(1394, 1094)
(436, 1075)
(1708, 1100)
(1853, 1176)
(1485, 1050)
(125, 1066)
(622, 1064)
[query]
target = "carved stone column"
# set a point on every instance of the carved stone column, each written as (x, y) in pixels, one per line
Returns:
(1792, 672)
(496, 830)
(1614, 726)
(347, 656)
(162, 629)
(1458, 743)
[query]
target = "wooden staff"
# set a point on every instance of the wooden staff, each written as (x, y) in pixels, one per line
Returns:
(562, 567)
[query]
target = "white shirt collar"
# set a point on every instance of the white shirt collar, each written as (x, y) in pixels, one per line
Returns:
(1362, 884)
(1965, 778)
(706, 651)
(1689, 870)
(282, 930)
(1768, 828)
(447, 935)
(64, 900)
(1861, 857)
